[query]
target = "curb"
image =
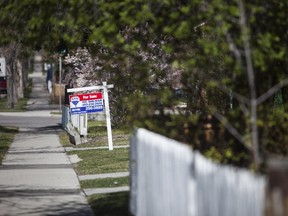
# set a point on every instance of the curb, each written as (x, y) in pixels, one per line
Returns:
(89, 192)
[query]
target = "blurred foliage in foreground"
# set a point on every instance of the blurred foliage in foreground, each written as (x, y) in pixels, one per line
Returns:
(197, 71)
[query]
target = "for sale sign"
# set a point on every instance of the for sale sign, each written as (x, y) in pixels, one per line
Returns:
(86, 103)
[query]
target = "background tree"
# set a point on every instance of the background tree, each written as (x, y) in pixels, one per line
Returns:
(81, 69)
(18, 64)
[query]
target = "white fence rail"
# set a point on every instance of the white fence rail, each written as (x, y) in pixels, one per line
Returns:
(168, 178)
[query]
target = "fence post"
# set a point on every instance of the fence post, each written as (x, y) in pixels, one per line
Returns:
(277, 197)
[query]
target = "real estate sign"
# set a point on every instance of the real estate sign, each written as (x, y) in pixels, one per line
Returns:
(86, 103)
(77, 102)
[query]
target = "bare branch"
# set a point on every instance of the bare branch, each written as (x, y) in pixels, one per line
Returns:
(247, 51)
(230, 127)
(233, 48)
(225, 89)
(271, 91)
(252, 84)
(244, 109)
(199, 25)
(236, 95)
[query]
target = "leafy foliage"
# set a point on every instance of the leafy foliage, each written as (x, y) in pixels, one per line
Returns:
(224, 55)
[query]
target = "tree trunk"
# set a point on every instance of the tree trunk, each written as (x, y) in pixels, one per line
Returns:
(13, 73)
(19, 80)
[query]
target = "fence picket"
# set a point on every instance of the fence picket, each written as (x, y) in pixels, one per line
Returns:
(169, 179)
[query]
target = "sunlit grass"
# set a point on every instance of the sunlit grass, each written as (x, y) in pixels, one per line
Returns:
(102, 161)
(97, 136)
(105, 182)
(6, 138)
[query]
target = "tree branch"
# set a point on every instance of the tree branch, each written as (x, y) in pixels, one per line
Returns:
(233, 48)
(199, 25)
(244, 109)
(252, 85)
(271, 91)
(229, 127)
(236, 95)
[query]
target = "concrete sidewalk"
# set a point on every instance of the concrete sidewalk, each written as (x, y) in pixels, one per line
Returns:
(36, 176)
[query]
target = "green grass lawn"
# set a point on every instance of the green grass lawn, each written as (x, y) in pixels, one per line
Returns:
(105, 161)
(6, 138)
(97, 133)
(105, 182)
(64, 139)
(97, 136)
(114, 204)
(20, 106)
(102, 161)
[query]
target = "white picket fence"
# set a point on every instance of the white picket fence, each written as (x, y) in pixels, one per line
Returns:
(169, 179)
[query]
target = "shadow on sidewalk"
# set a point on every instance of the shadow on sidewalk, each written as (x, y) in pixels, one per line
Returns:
(43, 202)
(50, 129)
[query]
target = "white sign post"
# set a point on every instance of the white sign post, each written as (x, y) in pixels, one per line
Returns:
(108, 119)
(107, 109)
(2, 67)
